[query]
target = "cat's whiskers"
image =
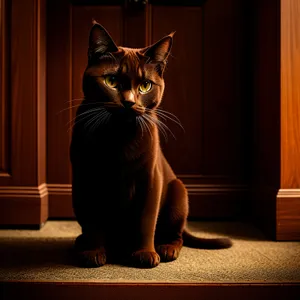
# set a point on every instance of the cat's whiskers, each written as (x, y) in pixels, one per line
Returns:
(144, 121)
(89, 113)
(102, 117)
(77, 105)
(161, 126)
(161, 114)
(162, 130)
(95, 109)
(78, 121)
(165, 114)
(97, 121)
(139, 121)
(94, 118)
(107, 118)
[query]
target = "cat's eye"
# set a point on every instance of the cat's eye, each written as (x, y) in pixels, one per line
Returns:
(111, 81)
(145, 87)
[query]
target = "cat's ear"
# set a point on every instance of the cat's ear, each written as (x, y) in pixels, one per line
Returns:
(100, 41)
(159, 51)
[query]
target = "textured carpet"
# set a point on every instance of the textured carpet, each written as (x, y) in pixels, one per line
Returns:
(46, 255)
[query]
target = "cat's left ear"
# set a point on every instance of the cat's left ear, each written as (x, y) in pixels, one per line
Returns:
(159, 51)
(100, 41)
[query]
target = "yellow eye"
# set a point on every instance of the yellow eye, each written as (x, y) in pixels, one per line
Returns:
(111, 81)
(145, 87)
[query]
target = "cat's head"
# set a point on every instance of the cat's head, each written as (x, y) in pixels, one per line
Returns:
(127, 81)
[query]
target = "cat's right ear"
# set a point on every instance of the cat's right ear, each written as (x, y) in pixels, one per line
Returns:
(100, 42)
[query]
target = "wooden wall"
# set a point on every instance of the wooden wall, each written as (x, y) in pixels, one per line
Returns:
(23, 190)
(276, 118)
(241, 119)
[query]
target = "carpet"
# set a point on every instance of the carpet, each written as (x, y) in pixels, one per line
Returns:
(45, 255)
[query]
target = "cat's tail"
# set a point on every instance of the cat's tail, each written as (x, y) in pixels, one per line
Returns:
(192, 241)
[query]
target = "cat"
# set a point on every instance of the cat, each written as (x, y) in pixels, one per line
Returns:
(127, 199)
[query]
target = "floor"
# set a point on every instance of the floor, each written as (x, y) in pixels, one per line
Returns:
(45, 255)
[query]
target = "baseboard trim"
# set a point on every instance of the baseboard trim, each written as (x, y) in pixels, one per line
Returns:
(218, 201)
(277, 212)
(206, 200)
(288, 215)
(22, 205)
(26, 191)
(60, 201)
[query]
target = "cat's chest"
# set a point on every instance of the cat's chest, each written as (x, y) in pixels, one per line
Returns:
(114, 152)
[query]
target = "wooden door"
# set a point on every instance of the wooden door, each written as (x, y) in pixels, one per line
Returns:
(204, 89)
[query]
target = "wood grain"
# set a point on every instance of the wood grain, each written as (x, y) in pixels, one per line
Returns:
(266, 117)
(288, 215)
(23, 205)
(133, 291)
(4, 90)
(290, 94)
(59, 81)
(23, 79)
(60, 201)
(136, 36)
(25, 97)
(183, 91)
(224, 116)
(41, 90)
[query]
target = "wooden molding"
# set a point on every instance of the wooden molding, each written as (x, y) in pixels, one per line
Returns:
(278, 212)
(288, 193)
(288, 214)
(206, 200)
(5, 174)
(14, 191)
(214, 188)
(23, 205)
(163, 290)
(60, 201)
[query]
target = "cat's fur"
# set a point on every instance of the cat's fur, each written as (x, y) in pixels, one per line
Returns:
(126, 197)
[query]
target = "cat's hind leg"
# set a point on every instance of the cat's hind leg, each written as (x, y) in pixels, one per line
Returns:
(171, 222)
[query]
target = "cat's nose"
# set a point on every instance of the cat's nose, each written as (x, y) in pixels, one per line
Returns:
(128, 104)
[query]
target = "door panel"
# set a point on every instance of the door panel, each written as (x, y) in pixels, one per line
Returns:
(202, 90)
(23, 192)
(223, 127)
(183, 76)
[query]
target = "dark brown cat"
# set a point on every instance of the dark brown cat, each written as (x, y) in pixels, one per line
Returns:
(126, 197)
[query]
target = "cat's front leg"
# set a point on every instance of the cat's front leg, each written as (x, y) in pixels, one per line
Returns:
(90, 250)
(146, 212)
(90, 245)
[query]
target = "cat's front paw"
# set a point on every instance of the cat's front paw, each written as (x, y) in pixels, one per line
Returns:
(168, 252)
(91, 258)
(145, 259)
